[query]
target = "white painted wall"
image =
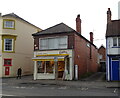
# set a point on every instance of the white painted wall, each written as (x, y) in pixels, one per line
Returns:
(110, 49)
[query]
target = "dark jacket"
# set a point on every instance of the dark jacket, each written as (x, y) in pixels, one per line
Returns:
(19, 72)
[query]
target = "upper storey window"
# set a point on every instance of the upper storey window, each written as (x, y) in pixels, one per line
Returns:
(119, 42)
(116, 42)
(53, 43)
(8, 24)
(8, 43)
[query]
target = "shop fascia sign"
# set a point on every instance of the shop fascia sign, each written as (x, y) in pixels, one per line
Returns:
(63, 52)
(60, 52)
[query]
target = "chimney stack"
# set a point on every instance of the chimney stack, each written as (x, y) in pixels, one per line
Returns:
(109, 14)
(78, 24)
(91, 37)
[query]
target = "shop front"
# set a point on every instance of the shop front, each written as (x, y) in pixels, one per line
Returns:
(45, 66)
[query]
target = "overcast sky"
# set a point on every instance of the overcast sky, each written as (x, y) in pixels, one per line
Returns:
(47, 13)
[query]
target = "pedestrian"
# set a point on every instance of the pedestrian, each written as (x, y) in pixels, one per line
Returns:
(19, 72)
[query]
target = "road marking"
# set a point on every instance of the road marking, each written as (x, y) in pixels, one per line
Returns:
(115, 90)
(19, 87)
(6, 95)
(62, 87)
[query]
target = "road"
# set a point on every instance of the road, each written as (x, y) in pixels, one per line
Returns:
(55, 90)
(28, 87)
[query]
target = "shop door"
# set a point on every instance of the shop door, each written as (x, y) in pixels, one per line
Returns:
(115, 71)
(7, 70)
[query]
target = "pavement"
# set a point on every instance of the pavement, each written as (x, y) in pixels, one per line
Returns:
(94, 81)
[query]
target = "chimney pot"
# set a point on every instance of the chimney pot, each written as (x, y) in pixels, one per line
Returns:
(91, 37)
(78, 15)
(78, 24)
(109, 14)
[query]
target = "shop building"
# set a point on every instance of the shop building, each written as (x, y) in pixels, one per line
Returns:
(63, 51)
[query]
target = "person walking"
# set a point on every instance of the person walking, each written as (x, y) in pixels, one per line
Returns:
(19, 73)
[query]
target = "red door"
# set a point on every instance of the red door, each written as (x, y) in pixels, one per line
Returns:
(7, 70)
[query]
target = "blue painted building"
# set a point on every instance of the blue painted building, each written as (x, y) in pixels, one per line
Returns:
(112, 48)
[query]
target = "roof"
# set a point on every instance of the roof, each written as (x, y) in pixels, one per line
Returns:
(59, 28)
(113, 28)
(102, 47)
(16, 16)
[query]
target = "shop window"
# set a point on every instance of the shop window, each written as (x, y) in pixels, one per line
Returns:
(40, 67)
(45, 66)
(7, 62)
(49, 66)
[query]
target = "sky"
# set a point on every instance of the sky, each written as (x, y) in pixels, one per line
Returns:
(47, 13)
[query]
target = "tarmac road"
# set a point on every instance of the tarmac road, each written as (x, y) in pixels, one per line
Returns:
(54, 90)
(28, 87)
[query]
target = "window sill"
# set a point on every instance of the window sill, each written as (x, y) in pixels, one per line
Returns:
(7, 65)
(8, 51)
(116, 47)
(9, 28)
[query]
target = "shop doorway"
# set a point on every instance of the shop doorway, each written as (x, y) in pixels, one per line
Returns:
(61, 68)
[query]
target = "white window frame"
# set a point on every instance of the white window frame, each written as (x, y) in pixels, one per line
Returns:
(117, 41)
(9, 24)
(5, 45)
(57, 37)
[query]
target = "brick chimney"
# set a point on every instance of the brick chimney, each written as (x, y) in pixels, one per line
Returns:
(78, 24)
(109, 14)
(91, 37)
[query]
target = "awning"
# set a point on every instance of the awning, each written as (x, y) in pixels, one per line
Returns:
(50, 57)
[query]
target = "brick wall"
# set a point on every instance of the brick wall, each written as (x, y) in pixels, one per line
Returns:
(85, 58)
(102, 51)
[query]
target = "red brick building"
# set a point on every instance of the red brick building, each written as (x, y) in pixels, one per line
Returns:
(69, 47)
(102, 58)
